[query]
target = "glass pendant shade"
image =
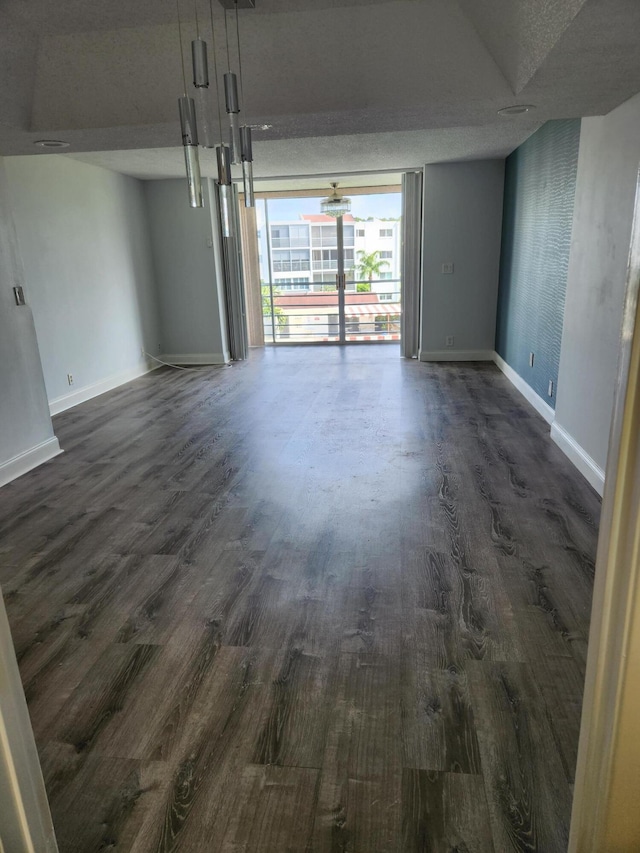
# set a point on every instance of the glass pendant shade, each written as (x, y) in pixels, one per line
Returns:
(191, 155)
(223, 156)
(188, 122)
(247, 165)
(194, 178)
(205, 109)
(225, 214)
(336, 205)
(233, 108)
(224, 183)
(247, 179)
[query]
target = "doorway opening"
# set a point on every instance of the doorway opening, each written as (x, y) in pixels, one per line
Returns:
(330, 281)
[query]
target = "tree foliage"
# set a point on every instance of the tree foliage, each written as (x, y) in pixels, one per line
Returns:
(369, 265)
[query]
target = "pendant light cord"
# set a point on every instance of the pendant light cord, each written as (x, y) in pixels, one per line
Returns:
(226, 36)
(215, 69)
(239, 55)
(195, 4)
(184, 76)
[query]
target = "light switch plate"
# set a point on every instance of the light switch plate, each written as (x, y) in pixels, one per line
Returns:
(18, 293)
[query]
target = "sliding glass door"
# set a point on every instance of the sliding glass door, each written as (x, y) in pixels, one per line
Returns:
(327, 280)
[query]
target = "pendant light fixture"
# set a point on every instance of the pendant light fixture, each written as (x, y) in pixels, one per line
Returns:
(336, 205)
(233, 110)
(191, 156)
(246, 145)
(240, 150)
(232, 102)
(247, 165)
(200, 65)
(223, 155)
(189, 128)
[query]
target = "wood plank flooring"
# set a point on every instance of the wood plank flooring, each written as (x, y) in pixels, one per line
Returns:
(325, 601)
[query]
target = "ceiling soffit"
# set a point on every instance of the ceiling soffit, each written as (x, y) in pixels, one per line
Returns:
(520, 34)
(107, 76)
(424, 60)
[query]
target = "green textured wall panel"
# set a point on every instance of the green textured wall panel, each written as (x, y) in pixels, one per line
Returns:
(540, 186)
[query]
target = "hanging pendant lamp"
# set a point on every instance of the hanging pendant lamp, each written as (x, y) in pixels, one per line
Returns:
(189, 127)
(247, 165)
(191, 156)
(223, 156)
(232, 104)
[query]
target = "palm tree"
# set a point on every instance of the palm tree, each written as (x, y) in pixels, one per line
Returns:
(369, 266)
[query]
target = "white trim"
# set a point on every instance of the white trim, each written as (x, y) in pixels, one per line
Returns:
(68, 401)
(566, 442)
(456, 355)
(26, 819)
(579, 456)
(28, 460)
(196, 358)
(525, 389)
(605, 814)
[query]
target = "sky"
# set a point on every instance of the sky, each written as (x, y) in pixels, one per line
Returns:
(379, 206)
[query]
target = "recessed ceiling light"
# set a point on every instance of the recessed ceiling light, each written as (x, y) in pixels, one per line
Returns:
(261, 126)
(516, 110)
(51, 143)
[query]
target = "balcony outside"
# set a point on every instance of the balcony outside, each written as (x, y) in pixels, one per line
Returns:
(299, 264)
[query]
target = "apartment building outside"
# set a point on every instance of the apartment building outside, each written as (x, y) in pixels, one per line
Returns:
(302, 253)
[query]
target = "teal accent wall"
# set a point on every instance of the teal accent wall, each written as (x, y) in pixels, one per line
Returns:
(539, 193)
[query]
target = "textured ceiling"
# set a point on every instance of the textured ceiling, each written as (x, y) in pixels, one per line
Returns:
(334, 155)
(393, 82)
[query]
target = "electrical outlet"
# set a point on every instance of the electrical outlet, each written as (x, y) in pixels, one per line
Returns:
(18, 294)
(449, 341)
(550, 391)
(531, 357)
(447, 269)
(70, 378)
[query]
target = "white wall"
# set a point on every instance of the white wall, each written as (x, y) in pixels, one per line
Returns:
(607, 170)
(26, 434)
(191, 318)
(85, 245)
(462, 225)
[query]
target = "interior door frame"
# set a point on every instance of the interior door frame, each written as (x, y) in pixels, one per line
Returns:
(605, 814)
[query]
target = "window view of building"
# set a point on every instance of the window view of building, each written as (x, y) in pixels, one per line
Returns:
(299, 263)
(310, 244)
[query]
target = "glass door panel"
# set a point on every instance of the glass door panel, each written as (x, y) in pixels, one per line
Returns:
(303, 257)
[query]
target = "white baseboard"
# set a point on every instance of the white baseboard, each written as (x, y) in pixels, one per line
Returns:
(592, 472)
(196, 358)
(525, 389)
(569, 446)
(68, 401)
(456, 355)
(28, 460)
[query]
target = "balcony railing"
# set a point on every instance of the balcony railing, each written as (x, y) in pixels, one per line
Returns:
(289, 242)
(371, 313)
(291, 266)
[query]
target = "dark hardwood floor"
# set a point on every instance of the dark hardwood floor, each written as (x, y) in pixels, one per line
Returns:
(324, 600)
